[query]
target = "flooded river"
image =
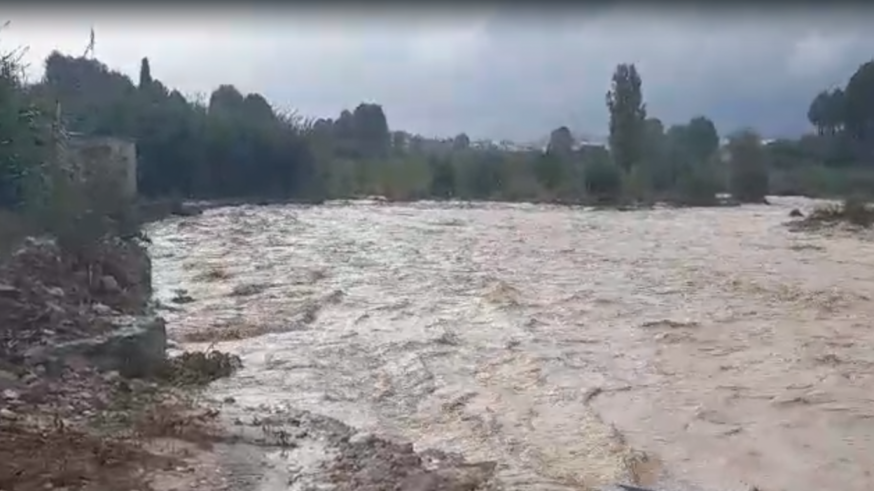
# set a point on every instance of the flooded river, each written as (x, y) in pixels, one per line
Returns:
(710, 348)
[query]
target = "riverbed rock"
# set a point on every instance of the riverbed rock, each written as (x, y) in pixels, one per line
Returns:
(135, 348)
(796, 213)
(109, 284)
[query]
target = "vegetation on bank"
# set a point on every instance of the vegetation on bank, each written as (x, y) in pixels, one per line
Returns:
(234, 145)
(65, 424)
(853, 211)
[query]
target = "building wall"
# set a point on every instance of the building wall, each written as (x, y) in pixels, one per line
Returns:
(106, 157)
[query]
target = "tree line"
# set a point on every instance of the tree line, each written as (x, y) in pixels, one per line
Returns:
(235, 145)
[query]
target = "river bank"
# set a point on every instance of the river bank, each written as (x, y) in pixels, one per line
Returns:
(87, 399)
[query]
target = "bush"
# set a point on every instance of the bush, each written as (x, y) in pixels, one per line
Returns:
(42, 184)
(697, 186)
(603, 180)
(637, 184)
(748, 179)
(820, 181)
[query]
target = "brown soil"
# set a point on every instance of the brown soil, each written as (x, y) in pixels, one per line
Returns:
(72, 427)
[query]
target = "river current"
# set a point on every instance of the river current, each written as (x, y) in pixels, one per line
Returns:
(574, 347)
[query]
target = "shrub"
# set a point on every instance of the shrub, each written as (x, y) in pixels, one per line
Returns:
(697, 186)
(748, 179)
(637, 184)
(603, 180)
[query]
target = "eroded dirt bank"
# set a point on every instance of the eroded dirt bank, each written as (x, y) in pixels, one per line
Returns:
(561, 344)
(81, 358)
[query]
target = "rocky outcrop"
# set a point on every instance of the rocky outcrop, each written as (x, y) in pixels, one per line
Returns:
(134, 347)
(93, 304)
(77, 337)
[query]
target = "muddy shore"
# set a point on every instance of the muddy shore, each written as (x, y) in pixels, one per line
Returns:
(85, 402)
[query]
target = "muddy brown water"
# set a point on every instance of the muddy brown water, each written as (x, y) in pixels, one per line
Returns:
(562, 343)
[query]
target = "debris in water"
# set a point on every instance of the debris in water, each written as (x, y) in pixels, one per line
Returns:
(248, 289)
(181, 296)
(200, 367)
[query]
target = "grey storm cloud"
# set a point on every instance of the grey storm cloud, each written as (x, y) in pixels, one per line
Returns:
(491, 72)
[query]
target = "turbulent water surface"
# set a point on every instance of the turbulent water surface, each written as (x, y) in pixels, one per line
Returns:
(562, 343)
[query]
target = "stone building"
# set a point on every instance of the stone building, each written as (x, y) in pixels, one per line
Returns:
(106, 156)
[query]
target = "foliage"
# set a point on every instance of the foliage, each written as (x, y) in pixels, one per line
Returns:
(47, 189)
(627, 117)
(235, 145)
(748, 180)
(603, 180)
(698, 186)
(22, 135)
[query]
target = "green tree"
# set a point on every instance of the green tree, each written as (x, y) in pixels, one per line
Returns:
(461, 142)
(627, 116)
(748, 178)
(22, 135)
(816, 112)
(702, 139)
(603, 180)
(370, 130)
(145, 74)
(561, 143)
(697, 186)
(835, 111)
(858, 105)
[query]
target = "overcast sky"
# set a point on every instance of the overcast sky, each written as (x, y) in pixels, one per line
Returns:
(491, 72)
